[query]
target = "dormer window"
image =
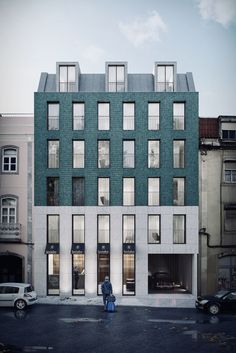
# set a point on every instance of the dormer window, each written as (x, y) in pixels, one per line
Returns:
(67, 79)
(165, 77)
(116, 77)
(67, 76)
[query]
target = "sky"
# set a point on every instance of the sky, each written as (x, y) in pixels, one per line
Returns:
(200, 35)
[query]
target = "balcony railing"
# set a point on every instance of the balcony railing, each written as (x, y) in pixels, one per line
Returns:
(10, 232)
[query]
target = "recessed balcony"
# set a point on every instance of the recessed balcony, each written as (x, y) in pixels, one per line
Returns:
(10, 232)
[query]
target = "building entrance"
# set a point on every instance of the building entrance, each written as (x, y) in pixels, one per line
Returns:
(11, 268)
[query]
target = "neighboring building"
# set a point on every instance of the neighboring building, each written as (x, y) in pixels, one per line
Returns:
(116, 183)
(16, 197)
(217, 203)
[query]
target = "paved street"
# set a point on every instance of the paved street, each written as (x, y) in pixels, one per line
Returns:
(88, 329)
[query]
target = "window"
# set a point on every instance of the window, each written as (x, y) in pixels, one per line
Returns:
(128, 192)
(128, 154)
(128, 228)
(128, 116)
(78, 154)
(78, 263)
(128, 258)
(78, 228)
(116, 78)
(53, 228)
(178, 191)
(153, 191)
(178, 153)
(8, 210)
(78, 116)
(178, 116)
(103, 228)
(179, 224)
(9, 159)
(78, 191)
(103, 191)
(67, 79)
(153, 154)
(227, 273)
(53, 260)
(53, 116)
(78, 259)
(230, 218)
(103, 116)
(103, 154)
(53, 154)
(230, 171)
(229, 134)
(52, 191)
(154, 236)
(103, 257)
(165, 78)
(153, 116)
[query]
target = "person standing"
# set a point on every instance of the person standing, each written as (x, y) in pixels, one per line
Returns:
(106, 290)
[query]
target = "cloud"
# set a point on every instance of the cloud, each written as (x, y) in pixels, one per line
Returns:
(143, 30)
(221, 11)
(93, 53)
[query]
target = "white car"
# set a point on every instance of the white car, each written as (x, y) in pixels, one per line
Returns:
(19, 295)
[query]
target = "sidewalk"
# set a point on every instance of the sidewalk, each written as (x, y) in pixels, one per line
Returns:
(152, 300)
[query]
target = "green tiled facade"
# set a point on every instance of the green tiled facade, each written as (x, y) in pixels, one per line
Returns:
(116, 135)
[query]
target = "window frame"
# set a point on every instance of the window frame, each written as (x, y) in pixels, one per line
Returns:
(184, 238)
(126, 118)
(16, 156)
(82, 162)
(16, 199)
(174, 154)
(149, 229)
(123, 154)
(150, 116)
(57, 116)
(184, 191)
(56, 198)
(176, 117)
(80, 118)
(99, 154)
(57, 158)
(132, 192)
(106, 118)
(108, 202)
(155, 155)
(158, 192)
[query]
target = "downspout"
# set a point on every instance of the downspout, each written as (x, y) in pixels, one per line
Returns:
(202, 231)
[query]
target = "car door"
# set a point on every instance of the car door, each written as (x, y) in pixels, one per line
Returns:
(230, 301)
(10, 294)
(5, 297)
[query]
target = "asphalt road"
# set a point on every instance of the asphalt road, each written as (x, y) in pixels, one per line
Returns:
(88, 329)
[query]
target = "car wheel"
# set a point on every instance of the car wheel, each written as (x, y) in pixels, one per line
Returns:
(20, 304)
(214, 309)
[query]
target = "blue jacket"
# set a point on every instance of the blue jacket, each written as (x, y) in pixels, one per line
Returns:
(106, 288)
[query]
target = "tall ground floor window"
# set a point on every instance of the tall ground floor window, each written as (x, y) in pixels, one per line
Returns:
(78, 274)
(103, 270)
(227, 272)
(128, 274)
(53, 274)
(170, 273)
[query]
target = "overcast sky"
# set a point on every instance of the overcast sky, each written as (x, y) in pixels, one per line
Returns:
(199, 34)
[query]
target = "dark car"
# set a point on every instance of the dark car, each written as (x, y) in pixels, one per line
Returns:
(224, 300)
(162, 280)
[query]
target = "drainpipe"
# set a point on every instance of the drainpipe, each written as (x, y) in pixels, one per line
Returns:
(202, 231)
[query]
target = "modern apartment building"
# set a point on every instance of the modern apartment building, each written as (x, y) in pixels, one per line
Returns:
(116, 183)
(16, 197)
(217, 203)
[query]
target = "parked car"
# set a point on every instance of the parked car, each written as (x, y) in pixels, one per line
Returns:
(162, 280)
(18, 295)
(221, 301)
